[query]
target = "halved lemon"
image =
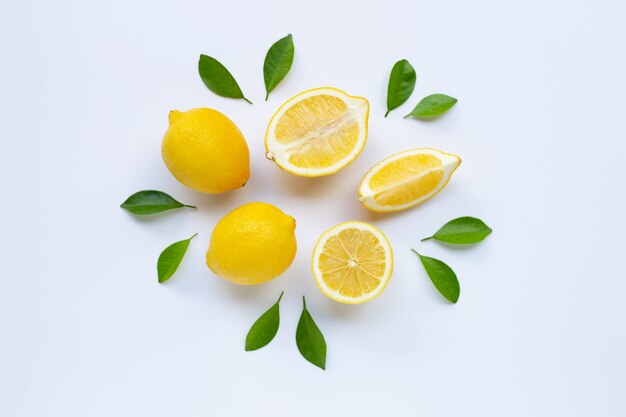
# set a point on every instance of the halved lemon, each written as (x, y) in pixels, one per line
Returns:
(352, 262)
(406, 179)
(318, 132)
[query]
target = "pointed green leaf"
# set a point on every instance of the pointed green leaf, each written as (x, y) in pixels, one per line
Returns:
(401, 84)
(170, 258)
(442, 276)
(265, 328)
(310, 339)
(150, 202)
(432, 106)
(218, 79)
(277, 63)
(462, 231)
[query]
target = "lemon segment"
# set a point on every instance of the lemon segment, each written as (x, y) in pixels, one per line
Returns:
(352, 262)
(406, 179)
(318, 132)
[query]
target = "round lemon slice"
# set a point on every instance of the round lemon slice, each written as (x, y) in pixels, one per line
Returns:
(318, 132)
(352, 262)
(406, 179)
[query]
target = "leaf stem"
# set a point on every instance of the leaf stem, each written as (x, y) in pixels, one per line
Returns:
(303, 302)
(427, 238)
(193, 207)
(194, 235)
(267, 95)
(417, 253)
(406, 116)
(247, 100)
(281, 296)
(387, 113)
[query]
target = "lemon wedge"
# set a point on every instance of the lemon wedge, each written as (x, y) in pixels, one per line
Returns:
(317, 132)
(406, 179)
(352, 262)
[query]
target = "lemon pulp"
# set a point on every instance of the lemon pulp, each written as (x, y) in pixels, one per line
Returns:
(317, 132)
(352, 262)
(406, 179)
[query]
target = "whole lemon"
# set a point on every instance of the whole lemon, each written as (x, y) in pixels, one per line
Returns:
(205, 150)
(252, 244)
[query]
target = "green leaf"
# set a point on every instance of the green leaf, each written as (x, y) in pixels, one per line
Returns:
(171, 257)
(442, 276)
(462, 231)
(265, 328)
(401, 84)
(218, 79)
(277, 63)
(310, 339)
(150, 202)
(432, 106)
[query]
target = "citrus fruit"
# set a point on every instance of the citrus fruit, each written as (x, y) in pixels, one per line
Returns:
(252, 244)
(352, 262)
(406, 179)
(205, 150)
(318, 132)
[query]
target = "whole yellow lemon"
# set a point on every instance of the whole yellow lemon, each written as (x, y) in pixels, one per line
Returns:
(205, 150)
(252, 244)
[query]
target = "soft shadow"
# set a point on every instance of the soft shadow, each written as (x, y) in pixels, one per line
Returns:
(158, 217)
(451, 247)
(217, 201)
(341, 311)
(435, 295)
(367, 215)
(302, 186)
(245, 293)
(353, 312)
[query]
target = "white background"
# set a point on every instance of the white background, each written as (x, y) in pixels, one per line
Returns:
(86, 330)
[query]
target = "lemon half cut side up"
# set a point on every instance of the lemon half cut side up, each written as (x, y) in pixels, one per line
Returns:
(317, 132)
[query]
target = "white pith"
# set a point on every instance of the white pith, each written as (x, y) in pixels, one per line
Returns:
(319, 249)
(358, 109)
(449, 163)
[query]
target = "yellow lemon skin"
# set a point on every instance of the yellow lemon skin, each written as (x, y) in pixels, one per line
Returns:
(205, 150)
(252, 244)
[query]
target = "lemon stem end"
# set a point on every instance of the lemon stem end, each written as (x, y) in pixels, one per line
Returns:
(174, 115)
